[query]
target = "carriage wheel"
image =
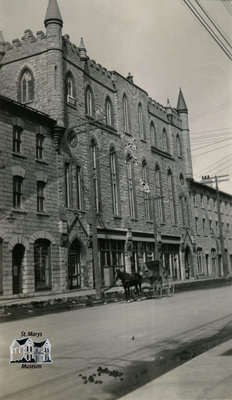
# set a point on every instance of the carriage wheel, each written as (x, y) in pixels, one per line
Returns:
(148, 292)
(135, 296)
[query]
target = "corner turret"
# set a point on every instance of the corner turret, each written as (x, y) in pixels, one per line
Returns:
(2, 46)
(53, 14)
(181, 105)
(83, 53)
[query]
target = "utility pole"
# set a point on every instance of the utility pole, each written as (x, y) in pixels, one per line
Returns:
(216, 179)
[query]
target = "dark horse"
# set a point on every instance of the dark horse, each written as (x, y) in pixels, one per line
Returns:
(129, 281)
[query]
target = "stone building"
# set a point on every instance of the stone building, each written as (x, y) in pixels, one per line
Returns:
(109, 147)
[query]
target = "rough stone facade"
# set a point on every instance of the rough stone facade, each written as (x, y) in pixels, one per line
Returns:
(92, 156)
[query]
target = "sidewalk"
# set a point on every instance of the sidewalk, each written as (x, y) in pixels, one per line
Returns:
(206, 377)
(87, 297)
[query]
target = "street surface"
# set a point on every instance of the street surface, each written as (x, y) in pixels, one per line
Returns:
(132, 343)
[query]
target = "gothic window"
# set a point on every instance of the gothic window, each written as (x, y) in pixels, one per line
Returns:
(42, 260)
(141, 122)
(182, 211)
(171, 196)
(67, 184)
(114, 181)
(17, 191)
(26, 87)
(147, 203)
(178, 146)
(96, 175)
(79, 188)
(89, 102)
(125, 114)
(17, 139)
(159, 200)
(200, 260)
(165, 140)
(70, 89)
(40, 196)
(130, 184)
(109, 112)
(153, 134)
(39, 146)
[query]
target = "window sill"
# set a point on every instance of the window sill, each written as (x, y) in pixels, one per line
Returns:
(143, 140)
(149, 222)
(117, 217)
(73, 106)
(19, 211)
(134, 219)
(40, 161)
(18, 155)
(42, 214)
(127, 133)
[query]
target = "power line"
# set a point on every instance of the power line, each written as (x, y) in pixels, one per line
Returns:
(227, 6)
(212, 130)
(212, 144)
(214, 23)
(208, 28)
(210, 151)
(218, 108)
(219, 162)
(209, 139)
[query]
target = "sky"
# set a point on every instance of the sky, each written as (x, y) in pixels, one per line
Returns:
(164, 47)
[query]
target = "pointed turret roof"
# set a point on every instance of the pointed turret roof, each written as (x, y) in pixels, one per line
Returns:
(181, 105)
(53, 13)
(82, 45)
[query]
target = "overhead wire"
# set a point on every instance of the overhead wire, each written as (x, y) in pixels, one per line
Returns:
(212, 130)
(208, 28)
(212, 144)
(218, 108)
(214, 23)
(214, 165)
(210, 151)
(227, 6)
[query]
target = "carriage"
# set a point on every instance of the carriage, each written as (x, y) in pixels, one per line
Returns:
(153, 283)
(156, 282)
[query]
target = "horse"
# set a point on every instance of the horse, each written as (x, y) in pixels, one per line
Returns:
(128, 281)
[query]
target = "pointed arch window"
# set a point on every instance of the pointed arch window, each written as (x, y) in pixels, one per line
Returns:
(130, 184)
(89, 102)
(114, 181)
(178, 146)
(147, 200)
(160, 207)
(26, 87)
(171, 197)
(96, 175)
(109, 112)
(165, 140)
(153, 134)
(42, 262)
(141, 122)
(70, 89)
(182, 211)
(125, 114)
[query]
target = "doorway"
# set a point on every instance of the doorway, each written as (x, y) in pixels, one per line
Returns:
(17, 266)
(74, 265)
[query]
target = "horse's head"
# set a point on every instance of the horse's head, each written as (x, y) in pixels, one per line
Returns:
(117, 275)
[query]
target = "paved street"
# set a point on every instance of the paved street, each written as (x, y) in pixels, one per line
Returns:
(126, 337)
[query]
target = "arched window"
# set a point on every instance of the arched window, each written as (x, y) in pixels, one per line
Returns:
(171, 197)
(114, 181)
(147, 202)
(178, 146)
(96, 175)
(200, 266)
(130, 183)
(42, 260)
(141, 122)
(165, 140)
(159, 200)
(89, 102)
(153, 134)
(109, 112)
(182, 211)
(70, 89)
(26, 87)
(125, 114)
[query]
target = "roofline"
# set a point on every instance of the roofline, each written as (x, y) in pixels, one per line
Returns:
(26, 107)
(132, 83)
(203, 185)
